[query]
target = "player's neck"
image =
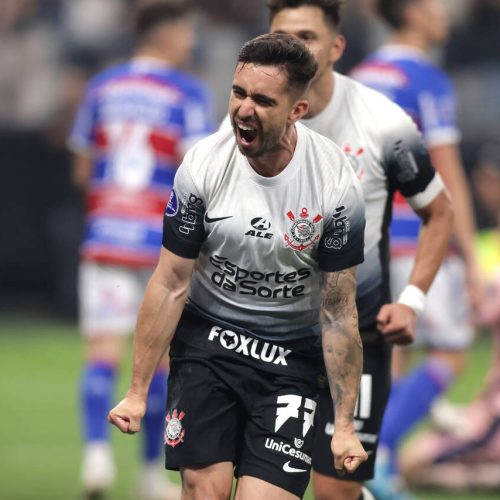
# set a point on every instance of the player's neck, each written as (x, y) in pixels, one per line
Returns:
(320, 94)
(275, 161)
(152, 53)
(411, 39)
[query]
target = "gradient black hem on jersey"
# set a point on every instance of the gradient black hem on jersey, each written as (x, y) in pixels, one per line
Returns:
(204, 339)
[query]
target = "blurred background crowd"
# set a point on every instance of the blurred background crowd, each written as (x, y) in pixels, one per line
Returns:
(49, 49)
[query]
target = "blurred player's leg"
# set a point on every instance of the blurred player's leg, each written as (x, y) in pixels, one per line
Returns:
(110, 297)
(445, 330)
(103, 355)
(462, 451)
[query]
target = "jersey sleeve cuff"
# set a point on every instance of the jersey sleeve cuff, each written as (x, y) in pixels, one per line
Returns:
(422, 199)
(442, 137)
(180, 248)
(328, 264)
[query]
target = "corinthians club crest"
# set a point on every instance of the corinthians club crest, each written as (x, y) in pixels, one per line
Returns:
(174, 431)
(303, 232)
(354, 159)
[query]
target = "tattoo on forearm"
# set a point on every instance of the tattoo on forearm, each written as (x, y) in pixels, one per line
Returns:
(342, 345)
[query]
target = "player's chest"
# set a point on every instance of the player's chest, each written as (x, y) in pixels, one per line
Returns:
(287, 217)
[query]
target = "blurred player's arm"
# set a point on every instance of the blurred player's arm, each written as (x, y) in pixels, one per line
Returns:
(82, 140)
(158, 318)
(81, 172)
(343, 355)
(411, 172)
(446, 160)
(396, 321)
(437, 222)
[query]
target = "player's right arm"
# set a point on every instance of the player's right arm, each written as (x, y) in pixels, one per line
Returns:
(166, 293)
(158, 318)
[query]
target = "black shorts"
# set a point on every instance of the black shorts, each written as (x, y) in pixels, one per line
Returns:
(372, 400)
(233, 397)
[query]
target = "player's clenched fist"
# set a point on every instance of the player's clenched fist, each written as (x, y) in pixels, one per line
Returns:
(127, 414)
(348, 452)
(397, 323)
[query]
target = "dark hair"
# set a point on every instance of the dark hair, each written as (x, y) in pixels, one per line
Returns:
(331, 8)
(285, 51)
(152, 14)
(392, 11)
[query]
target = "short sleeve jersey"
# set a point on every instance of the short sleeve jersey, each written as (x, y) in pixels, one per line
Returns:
(408, 78)
(261, 242)
(136, 120)
(387, 153)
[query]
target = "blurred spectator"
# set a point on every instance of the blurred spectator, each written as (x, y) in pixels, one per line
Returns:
(37, 101)
(360, 31)
(37, 258)
(476, 38)
(485, 180)
(29, 58)
(95, 32)
(473, 57)
(227, 25)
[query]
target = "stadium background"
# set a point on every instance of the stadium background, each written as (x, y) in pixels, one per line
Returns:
(48, 50)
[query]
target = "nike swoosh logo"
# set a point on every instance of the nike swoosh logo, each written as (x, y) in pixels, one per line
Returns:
(209, 220)
(288, 468)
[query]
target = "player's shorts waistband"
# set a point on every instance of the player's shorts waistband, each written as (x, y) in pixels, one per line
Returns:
(205, 340)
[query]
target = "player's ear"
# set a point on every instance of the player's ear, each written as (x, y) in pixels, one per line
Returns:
(337, 48)
(299, 110)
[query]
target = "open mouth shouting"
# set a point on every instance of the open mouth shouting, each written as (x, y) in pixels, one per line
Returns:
(246, 134)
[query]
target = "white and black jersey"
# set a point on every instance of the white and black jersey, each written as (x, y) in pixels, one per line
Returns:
(387, 154)
(261, 242)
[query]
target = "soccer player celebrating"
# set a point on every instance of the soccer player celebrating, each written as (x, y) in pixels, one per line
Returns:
(403, 71)
(262, 235)
(133, 125)
(387, 154)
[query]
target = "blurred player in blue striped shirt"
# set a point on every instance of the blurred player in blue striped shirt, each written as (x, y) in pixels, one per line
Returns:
(133, 126)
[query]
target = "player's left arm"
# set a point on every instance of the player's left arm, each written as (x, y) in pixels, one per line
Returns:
(82, 141)
(82, 167)
(397, 321)
(343, 355)
(446, 160)
(409, 170)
